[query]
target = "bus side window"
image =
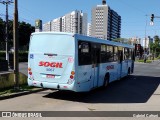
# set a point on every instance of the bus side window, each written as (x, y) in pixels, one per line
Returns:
(103, 53)
(130, 54)
(84, 53)
(126, 53)
(120, 54)
(109, 53)
(115, 53)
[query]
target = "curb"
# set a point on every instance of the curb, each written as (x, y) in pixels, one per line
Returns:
(20, 94)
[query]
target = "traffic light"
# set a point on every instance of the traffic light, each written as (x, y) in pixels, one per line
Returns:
(152, 17)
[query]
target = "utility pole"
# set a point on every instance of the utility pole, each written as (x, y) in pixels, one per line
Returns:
(16, 46)
(7, 2)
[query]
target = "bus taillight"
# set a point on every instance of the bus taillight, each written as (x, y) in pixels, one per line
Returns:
(30, 73)
(72, 73)
(70, 81)
(71, 76)
(29, 69)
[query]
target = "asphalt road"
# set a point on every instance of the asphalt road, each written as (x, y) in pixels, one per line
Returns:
(138, 92)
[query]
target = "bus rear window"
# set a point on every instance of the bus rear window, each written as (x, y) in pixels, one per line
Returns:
(51, 43)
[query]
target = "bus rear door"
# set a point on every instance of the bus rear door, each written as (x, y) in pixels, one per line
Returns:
(125, 62)
(95, 64)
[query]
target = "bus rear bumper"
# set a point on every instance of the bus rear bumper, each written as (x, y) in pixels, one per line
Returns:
(51, 85)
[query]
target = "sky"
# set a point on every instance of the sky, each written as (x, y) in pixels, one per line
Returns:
(135, 14)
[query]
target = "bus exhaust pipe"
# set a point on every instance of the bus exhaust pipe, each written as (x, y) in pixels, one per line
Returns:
(41, 85)
(58, 86)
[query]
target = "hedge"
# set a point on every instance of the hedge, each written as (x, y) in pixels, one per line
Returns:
(147, 61)
(7, 81)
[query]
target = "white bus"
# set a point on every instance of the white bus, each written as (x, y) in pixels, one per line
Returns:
(67, 61)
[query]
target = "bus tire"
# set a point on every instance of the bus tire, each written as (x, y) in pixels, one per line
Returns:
(106, 80)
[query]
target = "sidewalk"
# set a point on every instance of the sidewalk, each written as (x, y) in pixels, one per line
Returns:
(23, 91)
(12, 95)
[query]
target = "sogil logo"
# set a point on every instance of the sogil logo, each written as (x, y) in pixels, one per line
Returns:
(51, 64)
(110, 67)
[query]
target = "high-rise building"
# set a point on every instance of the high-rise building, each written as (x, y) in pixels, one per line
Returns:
(71, 22)
(83, 23)
(74, 22)
(47, 26)
(106, 23)
(56, 25)
(146, 41)
(89, 29)
(134, 40)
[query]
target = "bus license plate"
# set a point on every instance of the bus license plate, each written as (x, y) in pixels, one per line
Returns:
(50, 76)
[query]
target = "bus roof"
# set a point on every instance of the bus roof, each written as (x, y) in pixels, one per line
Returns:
(91, 39)
(58, 33)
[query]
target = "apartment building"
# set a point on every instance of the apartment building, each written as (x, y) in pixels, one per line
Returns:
(47, 26)
(56, 25)
(74, 22)
(89, 29)
(106, 23)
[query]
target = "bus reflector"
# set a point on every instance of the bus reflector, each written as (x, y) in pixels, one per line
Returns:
(30, 73)
(29, 69)
(72, 73)
(71, 76)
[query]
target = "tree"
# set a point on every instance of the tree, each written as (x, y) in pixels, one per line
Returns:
(2, 34)
(10, 33)
(2, 28)
(155, 47)
(122, 40)
(25, 30)
(156, 39)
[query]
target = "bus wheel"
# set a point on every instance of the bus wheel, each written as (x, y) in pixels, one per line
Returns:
(106, 80)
